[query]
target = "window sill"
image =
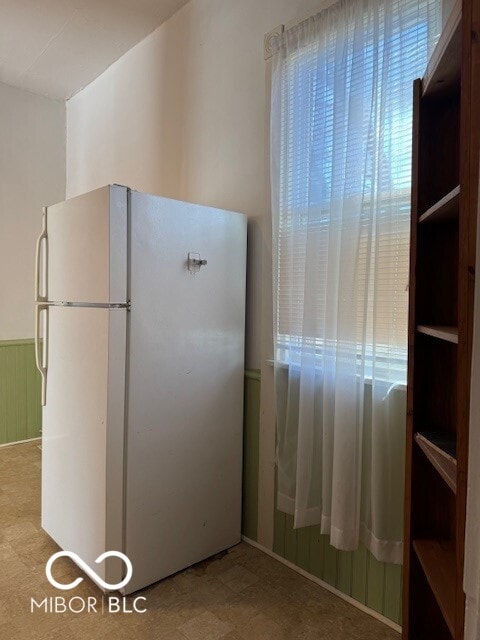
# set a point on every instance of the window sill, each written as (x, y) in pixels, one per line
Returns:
(284, 365)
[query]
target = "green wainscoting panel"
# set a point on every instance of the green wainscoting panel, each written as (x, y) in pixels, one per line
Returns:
(290, 540)
(356, 573)
(359, 575)
(251, 434)
(20, 388)
(279, 533)
(345, 571)
(316, 555)
(303, 548)
(392, 605)
(375, 584)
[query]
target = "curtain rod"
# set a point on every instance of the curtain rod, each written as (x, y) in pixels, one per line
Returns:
(270, 41)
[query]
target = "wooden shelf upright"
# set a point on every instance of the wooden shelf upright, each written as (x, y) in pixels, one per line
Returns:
(446, 143)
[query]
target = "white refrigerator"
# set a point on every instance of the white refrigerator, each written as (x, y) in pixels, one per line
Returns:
(140, 344)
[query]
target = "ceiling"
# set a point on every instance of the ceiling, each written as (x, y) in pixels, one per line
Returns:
(57, 47)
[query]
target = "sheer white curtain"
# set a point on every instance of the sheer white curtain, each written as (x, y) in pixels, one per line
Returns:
(341, 172)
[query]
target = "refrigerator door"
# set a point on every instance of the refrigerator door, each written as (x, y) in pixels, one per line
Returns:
(83, 249)
(185, 390)
(83, 432)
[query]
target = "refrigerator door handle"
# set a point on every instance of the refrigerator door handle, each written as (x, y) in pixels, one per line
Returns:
(42, 237)
(41, 358)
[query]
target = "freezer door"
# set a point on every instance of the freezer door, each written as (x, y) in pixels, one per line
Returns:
(186, 371)
(83, 431)
(84, 248)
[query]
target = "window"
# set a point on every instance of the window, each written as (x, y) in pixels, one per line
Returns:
(342, 122)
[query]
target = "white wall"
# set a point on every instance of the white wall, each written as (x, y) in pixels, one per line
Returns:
(32, 174)
(183, 115)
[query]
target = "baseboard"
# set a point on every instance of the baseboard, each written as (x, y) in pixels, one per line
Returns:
(10, 444)
(325, 585)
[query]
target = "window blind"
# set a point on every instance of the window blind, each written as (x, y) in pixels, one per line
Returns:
(329, 114)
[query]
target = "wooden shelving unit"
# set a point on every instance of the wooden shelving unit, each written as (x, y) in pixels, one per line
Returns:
(441, 452)
(437, 558)
(450, 334)
(446, 142)
(444, 68)
(445, 210)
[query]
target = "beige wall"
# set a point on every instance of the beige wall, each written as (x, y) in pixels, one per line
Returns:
(32, 174)
(183, 115)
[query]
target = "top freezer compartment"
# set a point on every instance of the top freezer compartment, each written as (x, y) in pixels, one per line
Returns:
(85, 249)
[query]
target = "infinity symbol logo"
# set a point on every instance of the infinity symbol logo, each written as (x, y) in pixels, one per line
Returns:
(96, 578)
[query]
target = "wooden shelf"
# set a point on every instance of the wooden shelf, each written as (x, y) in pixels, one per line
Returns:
(445, 210)
(444, 206)
(437, 558)
(449, 334)
(443, 70)
(441, 452)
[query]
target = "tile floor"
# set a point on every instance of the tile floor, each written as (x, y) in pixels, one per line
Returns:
(240, 595)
